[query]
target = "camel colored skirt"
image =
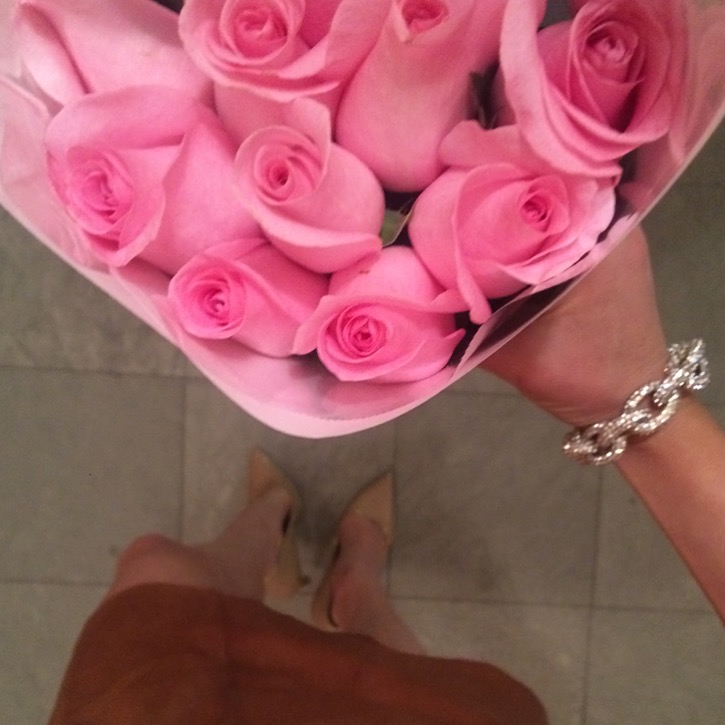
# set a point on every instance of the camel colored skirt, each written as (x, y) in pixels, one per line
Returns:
(161, 654)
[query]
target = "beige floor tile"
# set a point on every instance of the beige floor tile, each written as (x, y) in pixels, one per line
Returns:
(636, 564)
(544, 647)
(87, 461)
(491, 509)
(38, 628)
(686, 232)
(656, 668)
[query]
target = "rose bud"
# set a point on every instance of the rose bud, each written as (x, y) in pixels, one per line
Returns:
(246, 291)
(383, 321)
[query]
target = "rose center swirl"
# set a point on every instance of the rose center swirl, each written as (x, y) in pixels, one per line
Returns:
(611, 49)
(98, 190)
(284, 173)
(422, 15)
(358, 334)
(254, 29)
(215, 303)
(218, 300)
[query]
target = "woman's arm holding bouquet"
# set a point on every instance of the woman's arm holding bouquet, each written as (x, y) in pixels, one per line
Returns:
(583, 358)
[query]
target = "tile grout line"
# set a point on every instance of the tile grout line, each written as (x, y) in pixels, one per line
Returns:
(106, 372)
(184, 460)
(42, 582)
(490, 603)
(396, 499)
(553, 605)
(586, 670)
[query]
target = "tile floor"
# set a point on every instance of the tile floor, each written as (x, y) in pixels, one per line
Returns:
(505, 551)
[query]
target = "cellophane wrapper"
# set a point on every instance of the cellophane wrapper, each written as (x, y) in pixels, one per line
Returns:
(296, 395)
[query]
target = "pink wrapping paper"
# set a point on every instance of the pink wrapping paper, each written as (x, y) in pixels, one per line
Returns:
(297, 395)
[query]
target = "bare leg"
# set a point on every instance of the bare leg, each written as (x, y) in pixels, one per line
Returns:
(237, 561)
(234, 563)
(360, 604)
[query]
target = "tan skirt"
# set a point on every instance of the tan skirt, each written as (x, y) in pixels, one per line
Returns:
(162, 654)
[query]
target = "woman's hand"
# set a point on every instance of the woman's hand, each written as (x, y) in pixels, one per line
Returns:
(586, 355)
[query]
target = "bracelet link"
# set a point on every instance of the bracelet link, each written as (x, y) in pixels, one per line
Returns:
(647, 409)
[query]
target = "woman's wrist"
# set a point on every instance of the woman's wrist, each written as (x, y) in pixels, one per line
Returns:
(645, 411)
(653, 446)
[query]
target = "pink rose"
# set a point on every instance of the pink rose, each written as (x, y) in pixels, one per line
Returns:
(317, 20)
(145, 172)
(588, 91)
(263, 54)
(314, 200)
(75, 47)
(500, 220)
(415, 86)
(247, 291)
(384, 321)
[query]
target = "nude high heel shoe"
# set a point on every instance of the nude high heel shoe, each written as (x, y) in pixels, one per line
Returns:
(286, 577)
(374, 502)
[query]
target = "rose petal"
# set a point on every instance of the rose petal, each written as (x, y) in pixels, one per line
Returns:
(380, 321)
(504, 220)
(314, 200)
(398, 273)
(248, 291)
(201, 206)
(107, 149)
(407, 349)
(128, 118)
(431, 227)
(469, 145)
(137, 40)
(555, 103)
(318, 20)
(244, 111)
(352, 32)
(399, 141)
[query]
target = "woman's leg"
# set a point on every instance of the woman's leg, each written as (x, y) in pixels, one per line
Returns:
(234, 563)
(237, 561)
(360, 604)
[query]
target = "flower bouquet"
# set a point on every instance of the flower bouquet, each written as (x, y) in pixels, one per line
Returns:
(337, 208)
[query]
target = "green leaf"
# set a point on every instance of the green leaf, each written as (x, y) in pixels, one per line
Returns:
(393, 225)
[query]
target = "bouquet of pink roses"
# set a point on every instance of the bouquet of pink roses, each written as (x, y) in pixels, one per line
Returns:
(336, 208)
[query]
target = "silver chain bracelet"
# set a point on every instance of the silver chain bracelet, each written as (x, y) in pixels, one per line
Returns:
(645, 411)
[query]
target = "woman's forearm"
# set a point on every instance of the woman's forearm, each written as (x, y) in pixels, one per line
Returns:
(679, 473)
